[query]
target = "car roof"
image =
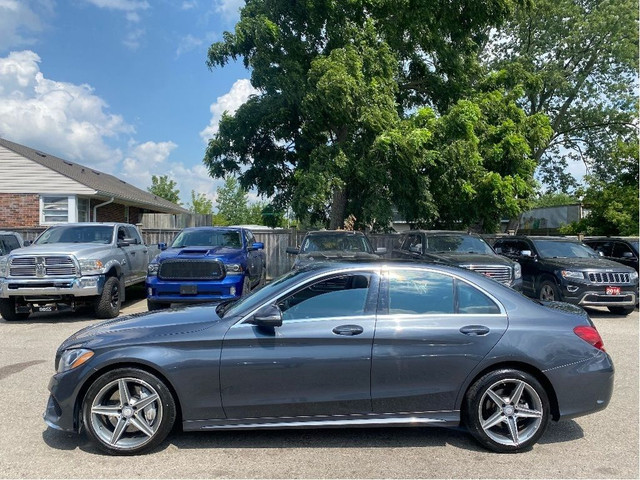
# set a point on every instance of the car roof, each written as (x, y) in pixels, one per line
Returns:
(443, 232)
(235, 229)
(335, 232)
(539, 237)
(627, 239)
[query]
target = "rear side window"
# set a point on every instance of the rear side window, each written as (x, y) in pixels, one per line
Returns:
(416, 292)
(473, 301)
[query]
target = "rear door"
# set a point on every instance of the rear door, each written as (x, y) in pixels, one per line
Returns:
(432, 330)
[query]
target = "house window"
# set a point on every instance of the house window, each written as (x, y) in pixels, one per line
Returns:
(63, 209)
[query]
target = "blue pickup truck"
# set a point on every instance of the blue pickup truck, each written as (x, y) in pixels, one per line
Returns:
(205, 264)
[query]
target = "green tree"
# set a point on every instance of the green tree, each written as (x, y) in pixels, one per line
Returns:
(272, 216)
(162, 187)
(612, 197)
(200, 203)
(231, 202)
(333, 77)
(578, 63)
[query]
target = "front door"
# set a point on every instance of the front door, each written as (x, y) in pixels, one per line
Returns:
(317, 363)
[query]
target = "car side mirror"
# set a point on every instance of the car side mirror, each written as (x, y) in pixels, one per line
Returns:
(162, 246)
(123, 242)
(526, 253)
(381, 250)
(627, 255)
(293, 250)
(256, 246)
(498, 250)
(26, 243)
(415, 248)
(267, 316)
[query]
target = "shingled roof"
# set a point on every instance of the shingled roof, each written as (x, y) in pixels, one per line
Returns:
(104, 184)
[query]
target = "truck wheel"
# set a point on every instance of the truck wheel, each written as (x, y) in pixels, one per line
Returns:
(8, 310)
(246, 286)
(549, 292)
(108, 304)
(151, 306)
(618, 310)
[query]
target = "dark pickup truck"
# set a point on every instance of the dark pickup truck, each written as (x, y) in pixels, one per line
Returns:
(206, 264)
(461, 249)
(567, 270)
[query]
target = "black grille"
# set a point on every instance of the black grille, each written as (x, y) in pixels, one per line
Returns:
(191, 270)
(498, 273)
(608, 277)
(42, 267)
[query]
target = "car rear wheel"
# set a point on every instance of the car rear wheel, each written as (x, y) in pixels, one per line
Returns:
(621, 310)
(506, 410)
(549, 292)
(8, 310)
(128, 411)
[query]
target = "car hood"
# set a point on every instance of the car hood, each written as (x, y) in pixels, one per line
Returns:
(148, 325)
(226, 253)
(587, 264)
(462, 258)
(79, 249)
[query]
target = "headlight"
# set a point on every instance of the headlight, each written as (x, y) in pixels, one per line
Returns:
(74, 358)
(517, 271)
(4, 264)
(234, 269)
(152, 269)
(572, 274)
(91, 267)
(633, 276)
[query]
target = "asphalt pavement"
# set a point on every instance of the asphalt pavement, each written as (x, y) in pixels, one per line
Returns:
(601, 445)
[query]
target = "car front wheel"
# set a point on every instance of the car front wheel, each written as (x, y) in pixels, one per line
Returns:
(506, 410)
(549, 292)
(128, 411)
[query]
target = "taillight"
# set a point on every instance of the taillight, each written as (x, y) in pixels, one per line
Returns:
(590, 335)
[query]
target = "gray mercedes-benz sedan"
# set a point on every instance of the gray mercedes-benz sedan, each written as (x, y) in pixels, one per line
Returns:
(337, 345)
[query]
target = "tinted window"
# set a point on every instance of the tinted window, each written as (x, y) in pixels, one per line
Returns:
(512, 247)
(8, 243)
(472, 300)
(207, 238)
(457, 243)
(323, 243)
(604, 247)
(341, 296)
(412, 243)
(560, 249)
(417, 292)
(620, 249)
(132, 232)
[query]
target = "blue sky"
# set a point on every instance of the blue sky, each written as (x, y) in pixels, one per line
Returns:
(119, 85)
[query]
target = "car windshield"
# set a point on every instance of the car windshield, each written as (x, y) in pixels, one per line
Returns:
(347, 242)
(560, 249)
(208, 238)
(457, 243)
(257, 297)
(76, 234)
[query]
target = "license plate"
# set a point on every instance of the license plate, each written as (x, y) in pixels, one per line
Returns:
(612, 291)
(188, 289)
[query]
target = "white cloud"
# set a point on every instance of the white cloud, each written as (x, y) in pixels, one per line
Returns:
(19, 22)
(120, 5)
(229, 8)
(229, 102)
(66, 119)
(188, 44)
(189, 4)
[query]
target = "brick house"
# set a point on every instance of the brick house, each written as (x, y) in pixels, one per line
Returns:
(38, 189)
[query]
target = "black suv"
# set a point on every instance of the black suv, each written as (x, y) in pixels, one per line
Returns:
(619, 249)
(564, 269)
(466, 250)
(323, 245)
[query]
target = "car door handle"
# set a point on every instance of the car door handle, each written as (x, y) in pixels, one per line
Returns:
(348, 330)
(475, 330)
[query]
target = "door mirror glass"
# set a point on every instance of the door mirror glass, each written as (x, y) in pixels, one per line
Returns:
(526, 253)
(267, 316)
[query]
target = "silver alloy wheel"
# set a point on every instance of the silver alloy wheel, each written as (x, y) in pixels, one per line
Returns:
(510, 412)
(547, 293)
(126, 413)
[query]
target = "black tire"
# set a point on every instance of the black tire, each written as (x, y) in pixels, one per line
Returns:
(263, 277)
(246, 286)
(8, 310)
(108, 304)
(147, 411)
(497, 421)
(621, 310)
(548, 291)
(151, 305)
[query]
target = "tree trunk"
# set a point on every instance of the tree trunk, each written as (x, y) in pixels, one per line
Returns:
(338, 208)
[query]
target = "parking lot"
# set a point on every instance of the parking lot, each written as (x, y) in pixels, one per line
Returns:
(602, 445)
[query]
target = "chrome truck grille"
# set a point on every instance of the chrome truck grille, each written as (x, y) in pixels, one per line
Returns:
(42, 266)
(181, 269)
(499, 273)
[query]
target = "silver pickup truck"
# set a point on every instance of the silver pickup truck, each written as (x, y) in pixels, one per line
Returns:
(74, 265)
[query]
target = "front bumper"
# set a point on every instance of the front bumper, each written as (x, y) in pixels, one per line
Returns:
(167, 291)
(62, 411)
(52, 287)
(588, 295)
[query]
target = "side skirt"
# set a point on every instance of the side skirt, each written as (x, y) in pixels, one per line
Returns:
(415, 419)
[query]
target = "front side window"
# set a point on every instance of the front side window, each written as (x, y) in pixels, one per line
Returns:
(412, 243)
(342, 296)
(620, 250)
